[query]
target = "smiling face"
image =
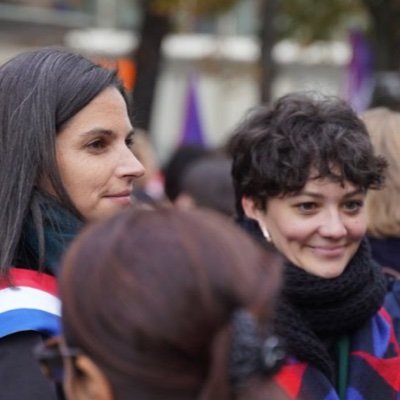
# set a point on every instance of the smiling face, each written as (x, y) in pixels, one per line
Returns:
(318, 229)
(95, 161)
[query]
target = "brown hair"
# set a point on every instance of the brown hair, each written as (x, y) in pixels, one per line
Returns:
(276, 147)
(149, 295)
(383, 209)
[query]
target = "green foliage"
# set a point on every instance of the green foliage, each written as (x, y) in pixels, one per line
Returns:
(311, 20)
(195, 7)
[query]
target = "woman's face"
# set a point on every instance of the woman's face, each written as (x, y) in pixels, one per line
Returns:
(318, 229)
(94, 157)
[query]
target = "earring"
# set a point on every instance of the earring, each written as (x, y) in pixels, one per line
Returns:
(265, 232)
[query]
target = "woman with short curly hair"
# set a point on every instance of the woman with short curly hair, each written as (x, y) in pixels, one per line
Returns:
(302, 168)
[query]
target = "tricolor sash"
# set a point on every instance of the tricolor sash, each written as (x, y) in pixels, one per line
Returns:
(30, 303)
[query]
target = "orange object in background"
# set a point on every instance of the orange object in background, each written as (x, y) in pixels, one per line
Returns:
(127, 72)
(126, 69)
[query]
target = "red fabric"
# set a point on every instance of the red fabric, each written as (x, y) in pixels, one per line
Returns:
(31, 278)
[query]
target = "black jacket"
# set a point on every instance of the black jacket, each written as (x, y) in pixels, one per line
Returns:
(20, 375)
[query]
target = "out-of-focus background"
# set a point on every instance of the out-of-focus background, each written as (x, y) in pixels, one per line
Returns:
(195, 66)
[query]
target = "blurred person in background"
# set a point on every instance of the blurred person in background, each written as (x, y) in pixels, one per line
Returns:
(167, 304)
(207, 183)
(302, 168)
(383, 207)
(386, 90)
(176, 166)
(149, 189)
(65, 160)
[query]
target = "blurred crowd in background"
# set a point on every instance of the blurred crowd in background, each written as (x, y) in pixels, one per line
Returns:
(199, 64)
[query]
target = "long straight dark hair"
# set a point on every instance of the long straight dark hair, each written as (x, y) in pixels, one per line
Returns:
(40, 91)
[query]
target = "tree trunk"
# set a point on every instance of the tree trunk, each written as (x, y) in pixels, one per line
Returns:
(148, 59)
(385, 35)
(385, 17)
(268, 36)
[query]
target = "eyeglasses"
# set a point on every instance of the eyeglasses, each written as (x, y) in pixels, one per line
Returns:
(50, 355)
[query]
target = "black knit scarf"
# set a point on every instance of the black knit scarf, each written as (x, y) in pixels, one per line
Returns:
(314, 312)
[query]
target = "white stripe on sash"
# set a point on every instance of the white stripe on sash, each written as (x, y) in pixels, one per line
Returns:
(28, 298)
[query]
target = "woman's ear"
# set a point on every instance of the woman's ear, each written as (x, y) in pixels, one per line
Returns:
(89, 382)
(252, 212)
(249, 208)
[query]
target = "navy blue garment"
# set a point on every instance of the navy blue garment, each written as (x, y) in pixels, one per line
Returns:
(386, 251)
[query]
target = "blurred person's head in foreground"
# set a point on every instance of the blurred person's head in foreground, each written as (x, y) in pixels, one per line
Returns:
(169, 304)
(208, 183)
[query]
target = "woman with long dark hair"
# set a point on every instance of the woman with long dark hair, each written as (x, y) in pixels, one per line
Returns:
(65, 160)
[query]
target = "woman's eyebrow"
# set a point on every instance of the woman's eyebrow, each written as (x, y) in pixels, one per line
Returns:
(98, 131)
(355, 192)
(319, 195)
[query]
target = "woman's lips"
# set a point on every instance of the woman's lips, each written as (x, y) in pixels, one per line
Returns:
(123, 198)
(329, 251)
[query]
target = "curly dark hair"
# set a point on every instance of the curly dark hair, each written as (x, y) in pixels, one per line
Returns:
(276, 148)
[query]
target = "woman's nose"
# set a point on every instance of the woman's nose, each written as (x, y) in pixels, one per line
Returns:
(129, 165)
(333, 225)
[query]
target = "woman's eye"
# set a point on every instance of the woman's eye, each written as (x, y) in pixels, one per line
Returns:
(98, 144)
(353, 205)
(306, 207)
(129, 142)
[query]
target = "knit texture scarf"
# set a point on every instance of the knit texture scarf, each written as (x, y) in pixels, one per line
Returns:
(314, 312)
(59, 228)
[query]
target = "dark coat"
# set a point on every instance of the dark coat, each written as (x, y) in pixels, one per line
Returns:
(20, 375)
(386, 251)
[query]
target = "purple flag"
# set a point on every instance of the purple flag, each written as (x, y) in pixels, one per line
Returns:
(192, 131)
(360, 72)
